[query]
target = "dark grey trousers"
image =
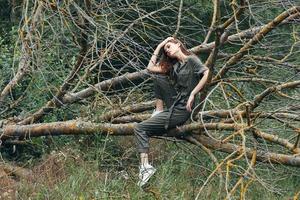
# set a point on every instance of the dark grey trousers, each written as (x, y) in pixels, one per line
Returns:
(155, 126)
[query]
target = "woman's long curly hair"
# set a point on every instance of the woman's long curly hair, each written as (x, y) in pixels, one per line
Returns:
(166, 62)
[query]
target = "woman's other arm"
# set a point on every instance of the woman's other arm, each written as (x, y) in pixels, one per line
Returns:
(197, 89)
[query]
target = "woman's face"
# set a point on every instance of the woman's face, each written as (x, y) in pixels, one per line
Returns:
(172, 49)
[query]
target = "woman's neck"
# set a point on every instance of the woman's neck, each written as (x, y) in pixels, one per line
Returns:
(181, 57)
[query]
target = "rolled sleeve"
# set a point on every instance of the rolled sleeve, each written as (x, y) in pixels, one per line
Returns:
(199, 67)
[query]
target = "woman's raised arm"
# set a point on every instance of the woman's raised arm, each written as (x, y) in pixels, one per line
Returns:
(152, 65)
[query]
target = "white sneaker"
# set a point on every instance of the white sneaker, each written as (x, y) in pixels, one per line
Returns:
(155, 112)
(145, 174)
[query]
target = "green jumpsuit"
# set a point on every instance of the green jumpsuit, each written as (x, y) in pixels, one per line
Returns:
(174, 90)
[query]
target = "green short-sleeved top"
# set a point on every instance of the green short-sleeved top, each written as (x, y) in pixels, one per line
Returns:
(176, 88)
(186, 76)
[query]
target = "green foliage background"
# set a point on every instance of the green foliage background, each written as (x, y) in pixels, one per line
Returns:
(97, 167)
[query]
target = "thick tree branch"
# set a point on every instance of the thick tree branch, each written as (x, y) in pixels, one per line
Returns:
(262, 156)
(257, 37)
(249, 33)
(103, 86)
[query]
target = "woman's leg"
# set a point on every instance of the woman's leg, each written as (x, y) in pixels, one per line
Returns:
(150, 127)
(142, 132)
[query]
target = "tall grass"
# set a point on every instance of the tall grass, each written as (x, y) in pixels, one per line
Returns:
(107, 168)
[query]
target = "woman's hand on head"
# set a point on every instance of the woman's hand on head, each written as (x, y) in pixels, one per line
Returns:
(165, 41)
(190, 102)
(168, 39)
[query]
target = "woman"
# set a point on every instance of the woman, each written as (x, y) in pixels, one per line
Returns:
(188, 76)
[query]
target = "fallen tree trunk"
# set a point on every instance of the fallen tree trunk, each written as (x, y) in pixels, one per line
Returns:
(74, 127)
(80, 127)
